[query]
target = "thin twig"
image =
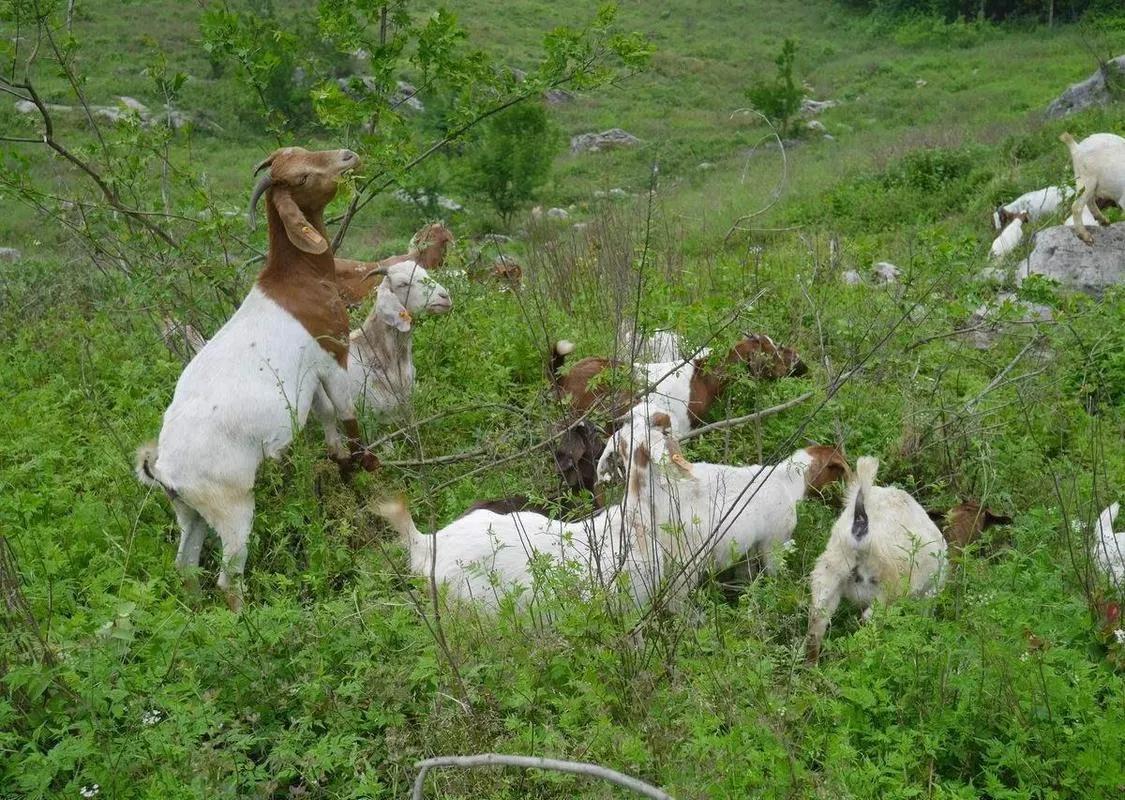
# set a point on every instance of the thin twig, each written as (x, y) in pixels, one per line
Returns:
(532, 762)
(734, 422)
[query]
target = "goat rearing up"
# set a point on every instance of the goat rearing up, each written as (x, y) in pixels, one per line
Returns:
(250, 388)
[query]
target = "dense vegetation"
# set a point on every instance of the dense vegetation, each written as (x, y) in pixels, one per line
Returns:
(340, 675)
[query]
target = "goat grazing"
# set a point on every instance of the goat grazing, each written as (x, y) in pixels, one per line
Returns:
(1009, 238)
(1109, 547)
(966, 521)
(247, 392)
(1099, 167)
(882, 546)
(1036, 205)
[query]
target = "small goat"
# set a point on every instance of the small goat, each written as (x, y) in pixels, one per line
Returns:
(1099, 167)
(1109, 547)
(882, 546)
(1036, 205)
(427, 249)
(247, 392)
(1009, 238)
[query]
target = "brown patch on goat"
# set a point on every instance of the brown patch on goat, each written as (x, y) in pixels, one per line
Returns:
(576, 457)
(584, 392)
(828, 465)
(507, 271)
(427, 249)
(966, 521)
(661, 420)
(763, 360)
(300, 272)
(641, 459)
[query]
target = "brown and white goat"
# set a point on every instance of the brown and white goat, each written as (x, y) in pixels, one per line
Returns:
(427, 250)
(251, 387)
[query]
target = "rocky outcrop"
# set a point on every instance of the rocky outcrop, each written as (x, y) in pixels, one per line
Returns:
(1059, 254)
(606, 140)
(1097, 90)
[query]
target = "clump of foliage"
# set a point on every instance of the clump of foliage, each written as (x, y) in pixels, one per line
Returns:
(511, 157)
(780, 99)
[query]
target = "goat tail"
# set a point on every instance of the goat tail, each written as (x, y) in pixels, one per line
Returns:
(144, 460)
(865, 470)
(1068, 140)
(397, 514)
(562, 349)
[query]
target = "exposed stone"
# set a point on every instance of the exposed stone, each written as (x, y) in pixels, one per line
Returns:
(885, 272)
(1094, 91)
(705, 166)
(10, 254)
(133, 104)
(558, 213)
(816, 125)
(618, 192)
(426, 199)
(407, 95)
(852, 278)
(992, 275)
(558, 97)
(1059, 254)
(811, 107)
(986, 329)
(920, 83)
(593, 142)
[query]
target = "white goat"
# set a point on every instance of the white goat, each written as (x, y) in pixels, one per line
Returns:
(246, 393)
(671, 385)
(483, 556)
(1037, 205)
(723, 513)
(1009, 238)
(1109, 547)
(1099, 167)
(660, 345)
(380, 352)
(882, 546)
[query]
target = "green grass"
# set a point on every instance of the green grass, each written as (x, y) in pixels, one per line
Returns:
(331, 684)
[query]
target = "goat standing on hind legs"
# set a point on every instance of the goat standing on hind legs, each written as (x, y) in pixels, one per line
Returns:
(250, 388)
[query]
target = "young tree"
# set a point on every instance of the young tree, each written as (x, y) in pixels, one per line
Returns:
(511, 158)
(780, 99)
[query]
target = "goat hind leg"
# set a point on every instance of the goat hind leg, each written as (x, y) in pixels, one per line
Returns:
(1084, 200)
(233, 523)
(825, 600)
(193, 530)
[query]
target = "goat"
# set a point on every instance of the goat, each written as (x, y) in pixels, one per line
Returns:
(965, 522)
(724, 513)
(483, 555)
(427, 249)
(883, 545)
(247, 392)
(1099, 167)
(660, 345)
(1036, 205)
(1109, 547)
(1009, 238)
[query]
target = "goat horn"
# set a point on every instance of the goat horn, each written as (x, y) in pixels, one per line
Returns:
(377, 271)
(264, 183)
(263, 164)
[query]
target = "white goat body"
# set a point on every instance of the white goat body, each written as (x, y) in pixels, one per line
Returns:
(883, 545)
(1037, 204)
(660, 345)
(1008, 240)
(1109, 547)
(1099, 167)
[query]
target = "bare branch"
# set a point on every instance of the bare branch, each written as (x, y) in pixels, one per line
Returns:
(532, 762)
(734, 422)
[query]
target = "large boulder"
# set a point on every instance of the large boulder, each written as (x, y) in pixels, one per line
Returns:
(593, 142)
(1058, 253)
(1094, 91)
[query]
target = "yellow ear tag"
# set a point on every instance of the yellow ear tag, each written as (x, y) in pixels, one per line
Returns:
(404, 314)
(309, 232)
(682, 463)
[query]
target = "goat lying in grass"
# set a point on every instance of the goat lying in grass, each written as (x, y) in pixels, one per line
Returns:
(1109, 547)
(882, 546)
(248, 391)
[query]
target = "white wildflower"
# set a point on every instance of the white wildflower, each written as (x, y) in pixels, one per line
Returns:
(1024, 657)
(90, 791)
(1119, 635)
(151, 717)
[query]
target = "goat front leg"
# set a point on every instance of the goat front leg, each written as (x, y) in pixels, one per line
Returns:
(324, 411)
(825, 600)
(1096, 210)
(1084, 200)
(338, 389)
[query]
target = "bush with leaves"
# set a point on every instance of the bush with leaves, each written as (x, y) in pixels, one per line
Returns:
(780, 99)
(511, 157)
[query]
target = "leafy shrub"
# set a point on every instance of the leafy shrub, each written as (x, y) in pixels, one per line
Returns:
(780, 99)
(511, 157)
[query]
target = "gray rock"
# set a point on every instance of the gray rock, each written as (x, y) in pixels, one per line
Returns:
(425, 199)
(1058, 253)
(1093, 91)
(987, 329)
(885, 272)
(994, 276)
(133, 104)
(705, 166)
(558, 213)
(558, 97)
(811, 108)
(10, 254)
(618, 192)
(816, 125)
(593, 142)
(495, 238)
(852, 278)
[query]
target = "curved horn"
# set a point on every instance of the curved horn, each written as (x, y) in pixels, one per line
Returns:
(263, 164)
(265, 182)
(377, 271)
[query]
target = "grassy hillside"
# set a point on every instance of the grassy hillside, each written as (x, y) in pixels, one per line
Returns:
(339, 675)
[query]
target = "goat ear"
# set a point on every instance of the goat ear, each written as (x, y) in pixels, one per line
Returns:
(391, 312)
(303, 235)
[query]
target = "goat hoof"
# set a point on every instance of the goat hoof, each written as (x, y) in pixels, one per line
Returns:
(369, 461)
(345, 466)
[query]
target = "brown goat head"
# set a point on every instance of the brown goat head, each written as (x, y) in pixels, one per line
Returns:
(429, 244)
(827, 465)
(966, 521)
(300, 183)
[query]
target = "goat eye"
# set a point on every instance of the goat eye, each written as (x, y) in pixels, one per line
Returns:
(303, 179)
